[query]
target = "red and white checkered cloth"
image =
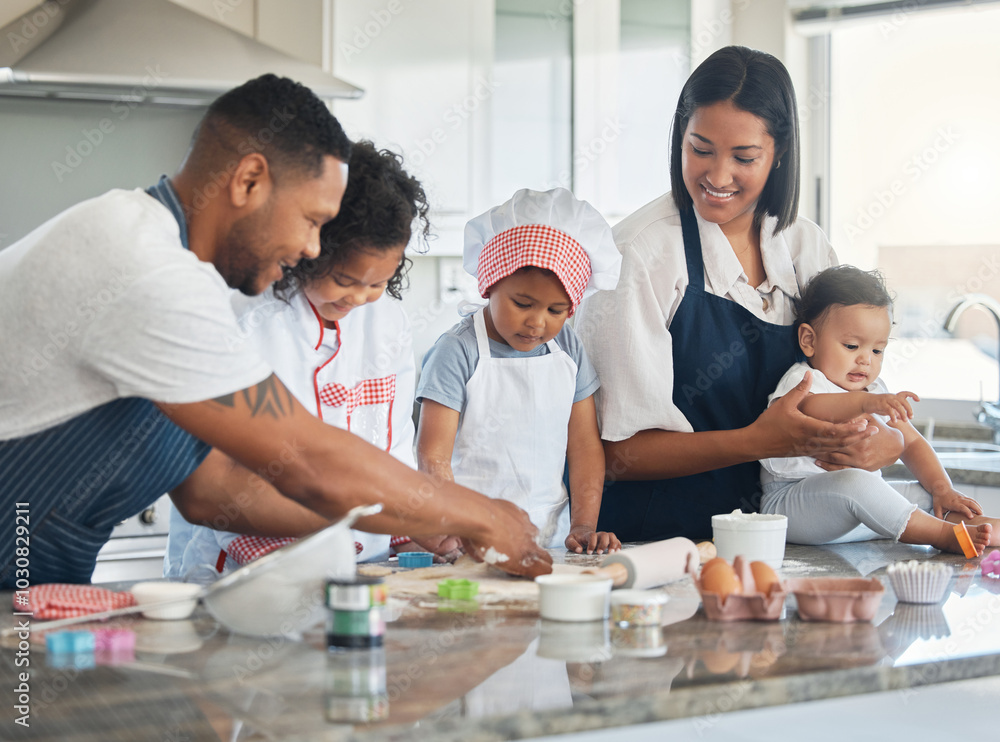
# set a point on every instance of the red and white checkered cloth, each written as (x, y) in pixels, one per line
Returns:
(245, 549)
(537, 245)
(399, 540)
(369, 391)
(61, 600)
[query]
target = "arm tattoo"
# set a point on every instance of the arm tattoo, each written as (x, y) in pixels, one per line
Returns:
(269, 397)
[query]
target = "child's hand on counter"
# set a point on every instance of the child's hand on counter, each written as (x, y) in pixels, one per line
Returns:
(583, 538)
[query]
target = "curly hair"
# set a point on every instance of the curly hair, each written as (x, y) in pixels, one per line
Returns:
(842, 285)
(377, 213)
(273, 116)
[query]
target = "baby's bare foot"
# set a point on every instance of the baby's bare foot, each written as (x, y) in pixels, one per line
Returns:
(980, 536)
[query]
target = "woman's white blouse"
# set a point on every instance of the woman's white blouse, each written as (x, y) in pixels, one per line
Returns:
(626, 332)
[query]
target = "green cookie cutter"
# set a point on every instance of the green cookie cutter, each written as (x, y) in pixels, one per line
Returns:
(458, 589)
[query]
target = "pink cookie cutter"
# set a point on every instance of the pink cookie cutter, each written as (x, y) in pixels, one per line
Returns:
(990, 565)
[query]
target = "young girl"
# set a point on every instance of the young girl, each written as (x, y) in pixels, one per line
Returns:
(345, 356)
(507, 394)
(843, 323)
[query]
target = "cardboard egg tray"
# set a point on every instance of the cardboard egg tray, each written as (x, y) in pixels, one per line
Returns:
(747, 607)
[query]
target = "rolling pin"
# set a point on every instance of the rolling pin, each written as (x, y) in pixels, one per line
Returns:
(652, 565)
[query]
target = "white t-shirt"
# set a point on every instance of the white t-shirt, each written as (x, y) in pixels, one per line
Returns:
(793, 468)
(627, 331)
(103, 302)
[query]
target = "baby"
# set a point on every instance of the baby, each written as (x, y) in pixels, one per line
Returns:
(844, 318)
(507, 395)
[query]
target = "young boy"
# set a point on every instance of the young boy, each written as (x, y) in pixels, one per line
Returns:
(507, 394)
(844, 319)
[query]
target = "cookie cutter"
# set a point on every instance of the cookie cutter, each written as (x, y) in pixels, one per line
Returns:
(990, 565)
(453, 589)
(415, 559)
(965, 540)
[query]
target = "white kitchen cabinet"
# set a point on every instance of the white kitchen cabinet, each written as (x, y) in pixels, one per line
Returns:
(295, 27)
(425, 69)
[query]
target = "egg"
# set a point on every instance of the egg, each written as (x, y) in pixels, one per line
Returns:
(712, 564)
(764, 577)
(721, 579)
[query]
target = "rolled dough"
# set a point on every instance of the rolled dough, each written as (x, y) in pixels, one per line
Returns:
(492, 582)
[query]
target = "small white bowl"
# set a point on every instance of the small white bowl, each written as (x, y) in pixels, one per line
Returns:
(184, 597)
(573, 597)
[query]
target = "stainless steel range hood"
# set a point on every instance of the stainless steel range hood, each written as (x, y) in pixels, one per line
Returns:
(139, 50)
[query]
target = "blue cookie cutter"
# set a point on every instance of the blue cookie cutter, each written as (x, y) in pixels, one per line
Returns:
(414, 559)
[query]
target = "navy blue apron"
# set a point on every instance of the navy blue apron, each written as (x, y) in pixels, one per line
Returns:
(726, 363)
(81, 478)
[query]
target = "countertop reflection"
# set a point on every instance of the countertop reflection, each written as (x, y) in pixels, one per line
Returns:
(496, 671)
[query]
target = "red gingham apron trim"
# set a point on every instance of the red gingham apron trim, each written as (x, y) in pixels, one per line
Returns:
(537, 245)
(367, 392)
(60, 600)
(399, 540)
(245, 549)
(319, 405)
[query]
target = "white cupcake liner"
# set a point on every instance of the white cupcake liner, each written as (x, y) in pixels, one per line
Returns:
(919, 582)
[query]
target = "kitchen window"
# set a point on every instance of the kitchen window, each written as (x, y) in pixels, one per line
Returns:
(914, 96)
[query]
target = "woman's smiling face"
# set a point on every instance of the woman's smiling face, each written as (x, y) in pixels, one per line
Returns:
(726, 159)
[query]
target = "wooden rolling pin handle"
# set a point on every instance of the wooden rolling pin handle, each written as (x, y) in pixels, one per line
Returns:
(617, 572)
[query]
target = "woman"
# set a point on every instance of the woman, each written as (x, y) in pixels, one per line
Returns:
(699, 331)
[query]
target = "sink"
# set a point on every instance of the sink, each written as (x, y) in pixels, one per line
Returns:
(964, 447)
(976, 455)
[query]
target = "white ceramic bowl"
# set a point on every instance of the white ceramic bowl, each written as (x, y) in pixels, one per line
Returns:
(757, 536)
(183, 597)
(573, 597)
(283, 593)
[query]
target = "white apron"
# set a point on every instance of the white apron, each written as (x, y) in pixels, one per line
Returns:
(512, 435)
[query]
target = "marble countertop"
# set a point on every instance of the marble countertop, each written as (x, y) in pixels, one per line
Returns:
(499, 672)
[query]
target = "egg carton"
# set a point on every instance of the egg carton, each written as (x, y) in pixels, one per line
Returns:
(755, 606)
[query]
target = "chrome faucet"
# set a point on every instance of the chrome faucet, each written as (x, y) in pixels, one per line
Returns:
(988, 412)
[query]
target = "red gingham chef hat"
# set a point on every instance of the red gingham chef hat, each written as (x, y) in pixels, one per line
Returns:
(545, 229)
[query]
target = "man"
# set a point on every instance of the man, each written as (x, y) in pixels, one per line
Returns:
(120, 371)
